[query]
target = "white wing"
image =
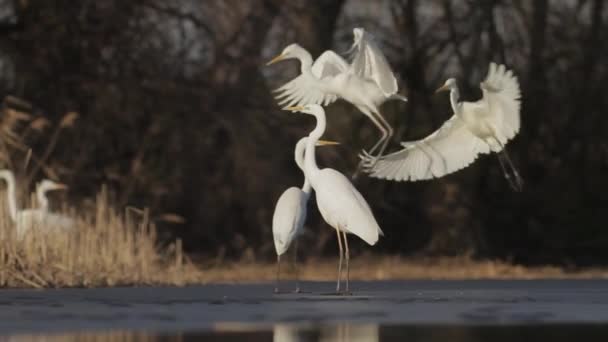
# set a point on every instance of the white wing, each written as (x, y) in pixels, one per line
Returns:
(502, 96)
(369, 62)
(449, 149)
(311, 88)
(288, 218)
(343, 207)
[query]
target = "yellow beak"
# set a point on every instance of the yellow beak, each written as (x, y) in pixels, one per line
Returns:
(295, 108)
(442, 88)
(327, 143)
(61, 186)
(276, 59)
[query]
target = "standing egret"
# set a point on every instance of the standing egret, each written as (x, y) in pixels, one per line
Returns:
(42, 188)
(28, 219)
(290, 212)
(50, 219)
(367, 82)
(339, 202)
(475, 128)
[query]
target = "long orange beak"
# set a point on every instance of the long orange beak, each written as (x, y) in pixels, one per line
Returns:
(327, 143)
(61, 186)
(442, 88)
(276, 59)
(295, 108)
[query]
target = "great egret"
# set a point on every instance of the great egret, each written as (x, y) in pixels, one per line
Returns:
(46, 217)
(366, 83)
(475, 128)
(290, 211)
(28, 219)
(339, 202)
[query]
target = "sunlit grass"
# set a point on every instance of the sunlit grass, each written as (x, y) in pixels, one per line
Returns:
(106, 248)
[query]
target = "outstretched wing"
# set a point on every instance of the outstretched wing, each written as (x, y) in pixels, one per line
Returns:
(369, 62)
(310, 88)
(502, 96)
(451, 148)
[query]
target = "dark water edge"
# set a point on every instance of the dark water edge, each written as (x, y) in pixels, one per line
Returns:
(481, 310)
(348, 332)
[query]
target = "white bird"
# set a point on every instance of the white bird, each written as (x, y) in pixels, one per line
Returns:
(475, 128)
(290, 211)
(367, 82)
(50, 219)
(40, 218)
(339, 202)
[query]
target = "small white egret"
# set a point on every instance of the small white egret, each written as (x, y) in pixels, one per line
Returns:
(339, 202)
(367, 82)
(29, 219)
(475, 128)
(50, 219)
(290, 212)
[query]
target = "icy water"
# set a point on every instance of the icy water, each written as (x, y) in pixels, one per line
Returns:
(539, 310)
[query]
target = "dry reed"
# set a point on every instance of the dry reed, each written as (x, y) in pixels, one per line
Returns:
(104, 249)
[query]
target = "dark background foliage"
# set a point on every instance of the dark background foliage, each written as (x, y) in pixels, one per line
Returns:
(176, 115)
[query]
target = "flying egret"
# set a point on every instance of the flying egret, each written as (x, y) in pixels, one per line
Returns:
(290, 211)
(367, 82)
(339, 202)
(475, 128)
(28, 219)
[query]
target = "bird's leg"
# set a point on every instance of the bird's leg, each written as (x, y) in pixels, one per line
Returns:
(295, 264)
(519, 182)
(516, 182)
(383, 141)
(340, 262)
(387, 139)
(276, 287)
(347, 258)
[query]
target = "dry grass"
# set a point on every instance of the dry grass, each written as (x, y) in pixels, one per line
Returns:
(105, 249)
(393, 267)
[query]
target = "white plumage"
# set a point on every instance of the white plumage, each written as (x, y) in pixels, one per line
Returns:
(339, 202)
(290, 211)
(39, 219)
(366, 83)
(475, 128)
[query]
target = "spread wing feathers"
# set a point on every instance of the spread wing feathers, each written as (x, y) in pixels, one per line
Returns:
(502, 95)
(343, 207)
(309, 88)
(288, 218)
(369, 62)
(451, 148)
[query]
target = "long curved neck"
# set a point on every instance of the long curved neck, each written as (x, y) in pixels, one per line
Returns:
(454, 97)
(11, 196)
(43, 201)
(310, 160)
(299, 157)
(305, 61)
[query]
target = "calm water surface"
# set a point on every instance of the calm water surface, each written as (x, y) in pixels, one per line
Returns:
(551, 310)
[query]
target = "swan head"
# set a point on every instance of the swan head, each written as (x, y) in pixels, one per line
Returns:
(312, 109)
(291, 51)
(48, 185)
(449, 84)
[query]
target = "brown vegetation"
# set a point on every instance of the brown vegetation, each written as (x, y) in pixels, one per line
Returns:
(104, 249)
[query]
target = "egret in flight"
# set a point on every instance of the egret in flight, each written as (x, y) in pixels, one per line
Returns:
(339, 202)
(475, 128)
(290, 212)
(367, 82)
(28, 219)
